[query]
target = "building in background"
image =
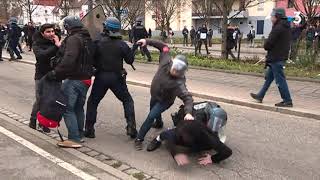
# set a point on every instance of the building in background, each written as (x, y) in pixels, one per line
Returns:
(254, 16)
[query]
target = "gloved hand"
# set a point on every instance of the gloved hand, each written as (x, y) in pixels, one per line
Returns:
(51, 76)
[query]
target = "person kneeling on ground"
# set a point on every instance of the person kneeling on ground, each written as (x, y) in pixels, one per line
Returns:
(202, 134)
(167, 84)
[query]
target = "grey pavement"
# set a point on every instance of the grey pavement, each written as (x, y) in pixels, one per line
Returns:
(235, 88)
(266, 145)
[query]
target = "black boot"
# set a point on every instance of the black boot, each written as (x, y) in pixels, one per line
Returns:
(131, 128)
(158, 124)
(255, 96)
(284, 104)
(89, 133)
(154, 144)
(33, 123)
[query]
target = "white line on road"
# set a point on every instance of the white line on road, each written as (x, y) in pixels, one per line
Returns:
(69, 167)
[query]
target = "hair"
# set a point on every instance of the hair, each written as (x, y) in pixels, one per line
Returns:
(46, 26)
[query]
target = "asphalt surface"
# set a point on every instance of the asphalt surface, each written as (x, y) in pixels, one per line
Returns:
(266, 145)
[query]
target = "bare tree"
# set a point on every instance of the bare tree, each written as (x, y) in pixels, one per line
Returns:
(225, 8)
(9, 8)
(29, 6)
(116, 8)
(65, 6)
(204, 9)
(309, 8)
(165, 11)
(135, 9)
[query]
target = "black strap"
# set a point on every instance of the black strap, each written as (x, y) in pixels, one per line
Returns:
(60, 134)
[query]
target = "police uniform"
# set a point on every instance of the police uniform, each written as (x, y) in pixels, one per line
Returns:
(109, 56)
(140, 32)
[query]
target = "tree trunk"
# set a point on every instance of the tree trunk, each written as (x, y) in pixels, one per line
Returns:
(224, 31)
(29, 11)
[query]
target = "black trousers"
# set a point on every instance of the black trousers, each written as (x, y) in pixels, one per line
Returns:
(205, 42)
(185, 40)
(1, 47)
(117, 84)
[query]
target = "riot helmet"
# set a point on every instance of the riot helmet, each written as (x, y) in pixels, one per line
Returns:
(71, 22)
(217, 121)
(112, 25)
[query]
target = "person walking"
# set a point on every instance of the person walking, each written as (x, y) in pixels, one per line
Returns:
(278, 46)
(251, 36)
(140, 32)
(230, 41)
(14, 34)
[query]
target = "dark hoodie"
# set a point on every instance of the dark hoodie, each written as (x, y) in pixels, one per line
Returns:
(44, 49)
(278, 42)
(69, 54)
(164, 87)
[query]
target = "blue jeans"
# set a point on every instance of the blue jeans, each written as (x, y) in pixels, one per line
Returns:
(76, 91)
(275, 72)
(156, 108)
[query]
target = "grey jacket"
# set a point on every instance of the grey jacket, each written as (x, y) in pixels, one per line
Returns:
(165, 88)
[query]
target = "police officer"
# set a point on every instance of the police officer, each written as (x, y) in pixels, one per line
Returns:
(14, 34)
(109, 56)
(140, 32)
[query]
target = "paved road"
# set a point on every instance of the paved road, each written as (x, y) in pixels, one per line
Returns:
(266, 145)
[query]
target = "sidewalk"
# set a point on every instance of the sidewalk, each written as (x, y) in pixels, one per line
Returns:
(234, 89)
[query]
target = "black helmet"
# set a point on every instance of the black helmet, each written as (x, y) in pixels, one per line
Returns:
(71, 22)
(113, 26)
(13, 20)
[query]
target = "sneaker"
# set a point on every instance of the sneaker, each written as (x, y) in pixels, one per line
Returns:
(154, 144)
(33, 124)
(90, 133)
(158, 124)
(132, 132)
(255, 96)
(284, 104)
(69, 144)
(20, 57)
(138, 144)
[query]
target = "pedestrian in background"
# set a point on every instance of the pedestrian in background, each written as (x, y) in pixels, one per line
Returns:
(278, 46)
(14, 34)
(171, 34)
(251, 36)
(210, 34)
(192, 36)
(202, 39)
(30, 33)
(185, 33)
(140, 32)
(230, 41)
(296, 30)
(236, 36)
(310, 37)
(3, 33)
(149, 33)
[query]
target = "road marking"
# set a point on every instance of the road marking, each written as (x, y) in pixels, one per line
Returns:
(69, 167)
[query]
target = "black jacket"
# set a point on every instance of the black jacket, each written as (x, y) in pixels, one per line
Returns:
(192, 33)
(164, 87)
(69, 54)
(44, 50)
(278, 42)
(230, 41)
(139, 32)
(185, 32)
(3, 32)
(194, 136)
(14, 33)
(110, 53)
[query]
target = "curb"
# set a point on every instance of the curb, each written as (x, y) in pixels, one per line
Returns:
(228, 101)
(110, 165)
(241, 103)
(300, 79)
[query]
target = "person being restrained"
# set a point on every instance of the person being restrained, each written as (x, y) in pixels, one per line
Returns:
(202, 134)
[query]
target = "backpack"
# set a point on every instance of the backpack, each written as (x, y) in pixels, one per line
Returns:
(53, 103)
(86, 58)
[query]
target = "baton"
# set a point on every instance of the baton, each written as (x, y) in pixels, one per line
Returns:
(133, 67)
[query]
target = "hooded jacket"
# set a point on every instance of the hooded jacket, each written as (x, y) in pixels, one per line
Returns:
(164, 87)
(44, 49)
(278, 42)
(69, 54)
